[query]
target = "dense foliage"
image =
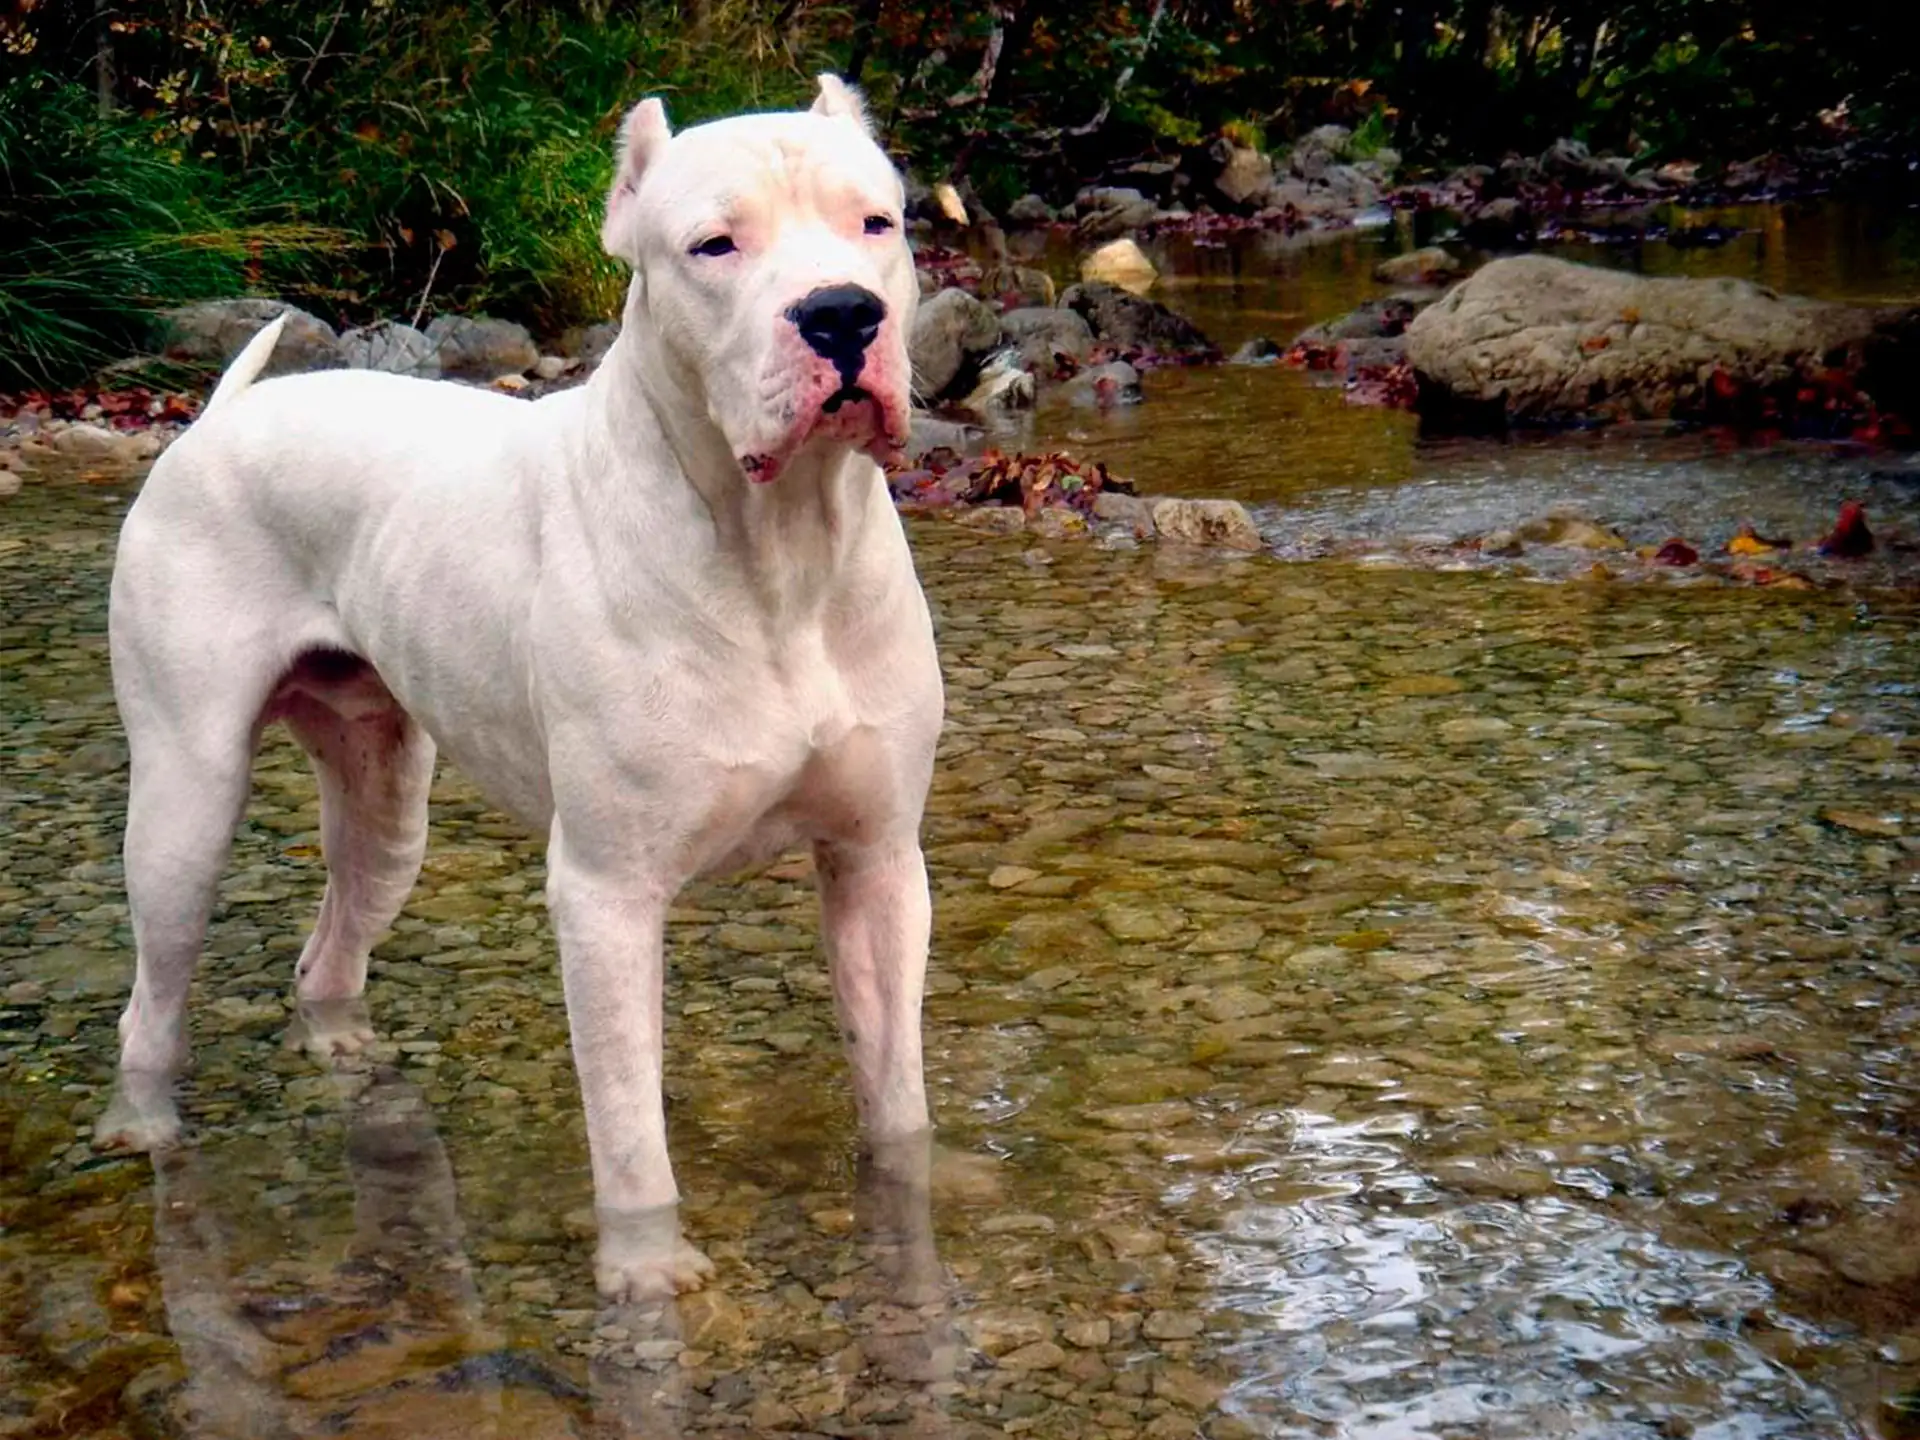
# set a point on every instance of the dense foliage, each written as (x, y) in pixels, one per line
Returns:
(401, 156)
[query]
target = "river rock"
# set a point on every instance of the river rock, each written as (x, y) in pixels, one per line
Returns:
(1383, 319)
(1133, 322)
(1571, 163)
(98, 447)
(589, 343)
(1107, 211)
(1044, 333)
(1104, 386)
(1317, 150)
(1547, 340)
(1222, 523)
(951, 331)
(1015, 287)
(1430, 266)
(478, 347)
(390, 346)
(1004, 387)
(213, 332)
(1245, 175)
(1122, 263)
(1503, 223)
(1029, 211)
(928, 432)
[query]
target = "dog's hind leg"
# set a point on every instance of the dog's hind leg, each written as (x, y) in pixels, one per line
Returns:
(375, 767)
(189, 782)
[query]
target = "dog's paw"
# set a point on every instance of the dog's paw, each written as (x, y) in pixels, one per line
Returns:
(643, 1257)
(140, 1116)
(328, 1029)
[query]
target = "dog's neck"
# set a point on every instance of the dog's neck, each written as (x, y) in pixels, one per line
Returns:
(789, 541)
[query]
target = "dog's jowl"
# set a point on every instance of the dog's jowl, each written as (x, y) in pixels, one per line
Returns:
(669, 617)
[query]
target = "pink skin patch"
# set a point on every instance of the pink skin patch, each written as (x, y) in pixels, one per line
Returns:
(875, 424)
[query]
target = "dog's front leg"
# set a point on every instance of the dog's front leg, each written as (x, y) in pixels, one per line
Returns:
(611, 963)
(876, 917)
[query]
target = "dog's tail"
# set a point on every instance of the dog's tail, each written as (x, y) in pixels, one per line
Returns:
(247, 366)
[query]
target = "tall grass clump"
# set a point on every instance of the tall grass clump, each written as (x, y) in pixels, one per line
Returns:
(100, 231)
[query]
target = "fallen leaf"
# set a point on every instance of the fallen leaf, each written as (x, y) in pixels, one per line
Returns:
(1850, 538)
(1676, 552)
(1746, 542)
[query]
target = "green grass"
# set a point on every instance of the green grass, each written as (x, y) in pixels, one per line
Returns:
(99, 232)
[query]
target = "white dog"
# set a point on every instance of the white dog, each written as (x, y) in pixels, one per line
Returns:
(670, 616)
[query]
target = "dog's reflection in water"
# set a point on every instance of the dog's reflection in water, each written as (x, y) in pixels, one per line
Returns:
(394, 1340)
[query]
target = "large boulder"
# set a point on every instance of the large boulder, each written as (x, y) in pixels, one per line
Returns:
(952, 331)
(1543, 340)
(213, 332)
(390, 346)
(1132, 322)
(477, 347)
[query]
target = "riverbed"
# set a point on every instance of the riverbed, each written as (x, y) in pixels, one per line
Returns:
(1365, 1002)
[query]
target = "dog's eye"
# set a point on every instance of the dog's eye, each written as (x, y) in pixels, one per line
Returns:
(714, 245)
(879, 224)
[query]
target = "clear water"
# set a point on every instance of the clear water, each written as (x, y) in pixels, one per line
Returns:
(1365, 1003)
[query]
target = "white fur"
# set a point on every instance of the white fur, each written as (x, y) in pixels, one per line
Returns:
(591, 609)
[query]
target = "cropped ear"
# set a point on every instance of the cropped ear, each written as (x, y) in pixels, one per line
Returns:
(643, 134)
(839, 98)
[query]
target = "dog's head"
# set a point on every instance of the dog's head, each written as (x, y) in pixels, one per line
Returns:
(771, 269)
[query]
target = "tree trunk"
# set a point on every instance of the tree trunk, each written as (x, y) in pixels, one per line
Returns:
(103, 76)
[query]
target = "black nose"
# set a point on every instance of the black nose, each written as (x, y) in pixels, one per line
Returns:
(839, 322)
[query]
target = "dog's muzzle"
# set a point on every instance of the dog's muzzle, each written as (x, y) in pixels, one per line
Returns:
(839, 322)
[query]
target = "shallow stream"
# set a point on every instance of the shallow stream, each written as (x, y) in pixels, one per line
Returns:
(1365, 1002)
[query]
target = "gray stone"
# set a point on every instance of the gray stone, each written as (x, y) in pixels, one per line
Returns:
(213, 332)
(1115, 383)
(589, 343)
(1245, 177)
(1116, 316)
(928, 432)
(1549, 340)
(478, 347)
(951, 331)
(1029, 210)
(1106, 211)
(1043, 333)
(1319, 149)
(1221, 523)
(1429, 266)
(390, 346)
(1258, 351)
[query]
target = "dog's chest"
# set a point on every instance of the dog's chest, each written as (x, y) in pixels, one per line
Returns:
(803, 760)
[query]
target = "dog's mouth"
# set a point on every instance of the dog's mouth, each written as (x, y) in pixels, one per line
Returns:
(851, 414)
(845, 395)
